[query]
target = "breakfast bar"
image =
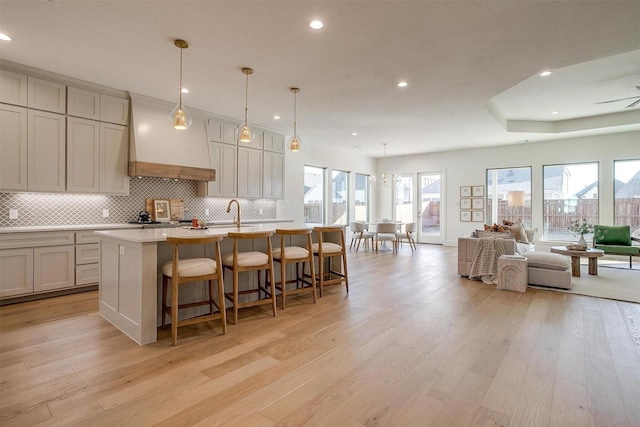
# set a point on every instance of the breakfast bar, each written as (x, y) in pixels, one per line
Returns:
(130, 262)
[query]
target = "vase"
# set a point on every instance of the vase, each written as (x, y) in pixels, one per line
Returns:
(582, 242)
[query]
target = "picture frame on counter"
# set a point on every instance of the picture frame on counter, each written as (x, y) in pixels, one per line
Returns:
(161, 210)
(465, 191)
(465, 216)
(465, 203)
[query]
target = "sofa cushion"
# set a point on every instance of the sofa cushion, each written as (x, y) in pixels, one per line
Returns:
(518, 230)
(548, 260)
(494, 234)
(612, 235)
(619, 249)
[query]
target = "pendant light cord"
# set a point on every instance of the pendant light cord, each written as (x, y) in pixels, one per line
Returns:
(180, 90)
(246, 99)
(295, 115)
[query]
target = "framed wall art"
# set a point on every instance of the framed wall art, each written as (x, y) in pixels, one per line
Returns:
(477, 203)
(465, 203)
(465, 191)
(477, 216)
(465, 216)
(477, 191)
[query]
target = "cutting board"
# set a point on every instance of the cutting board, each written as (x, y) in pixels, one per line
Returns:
(175, 205)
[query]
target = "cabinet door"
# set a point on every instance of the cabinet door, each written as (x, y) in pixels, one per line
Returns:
(53, 268)
(83, 103)
(223, 160)
(249, 172)
(46, 95)
(46, 151)
(13, 148)
(258, 140)
(83, 155)
(13, 88)
(215, 130)
(16, 269)
(229, 133)
(114, 110)
(114, 158)
(273, 181)
(273, 142)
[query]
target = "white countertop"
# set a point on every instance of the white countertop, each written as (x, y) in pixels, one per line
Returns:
(161, 234)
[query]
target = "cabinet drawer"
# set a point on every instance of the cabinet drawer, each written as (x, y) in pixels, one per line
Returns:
(88, 254)
(88, 236)
(39, 238)
(87, 274)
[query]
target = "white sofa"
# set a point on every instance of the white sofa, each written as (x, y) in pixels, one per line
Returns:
(544, 268)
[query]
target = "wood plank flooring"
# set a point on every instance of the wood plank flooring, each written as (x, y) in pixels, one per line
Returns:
(413, 344)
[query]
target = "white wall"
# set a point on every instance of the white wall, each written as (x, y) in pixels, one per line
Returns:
(468, 167)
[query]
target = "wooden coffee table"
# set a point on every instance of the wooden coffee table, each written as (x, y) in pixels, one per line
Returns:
(592, 254)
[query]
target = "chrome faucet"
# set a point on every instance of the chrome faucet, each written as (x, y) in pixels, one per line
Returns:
(237, 220)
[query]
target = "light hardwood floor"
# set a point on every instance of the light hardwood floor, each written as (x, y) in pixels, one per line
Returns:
(412, 344)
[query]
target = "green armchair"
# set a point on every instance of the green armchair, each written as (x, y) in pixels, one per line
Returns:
(616, 240)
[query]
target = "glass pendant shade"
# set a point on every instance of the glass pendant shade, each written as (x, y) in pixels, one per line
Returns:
(295, 143)
(180, 118)
(245, 134)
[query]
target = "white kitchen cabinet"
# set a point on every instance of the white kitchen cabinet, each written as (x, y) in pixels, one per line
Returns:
(273, 142)
(249, 173)
(83, 103)
(87, 258)
(16, 269)
(83, 155)
(46, 151)
(53, 268)
(114, 159)
(221, 131)
(114, 110)
(257, 142)
(46, 95)
(13, 88)
(13, 148)
(273, 180)
(223, 159)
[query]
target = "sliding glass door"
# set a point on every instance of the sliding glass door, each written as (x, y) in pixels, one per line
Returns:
(431, 202)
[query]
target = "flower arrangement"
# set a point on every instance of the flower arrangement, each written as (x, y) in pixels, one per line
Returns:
(581, 226)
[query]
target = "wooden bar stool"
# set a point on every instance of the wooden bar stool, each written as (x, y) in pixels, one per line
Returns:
(295, 255)
(239, 261)
(193, 270)
(324, 249)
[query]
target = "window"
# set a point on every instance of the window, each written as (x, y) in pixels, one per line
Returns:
(509, 195)
(314, 195)
(627, 193)
(340, 197)
(362, 198)
(404, 198)
(570, 193)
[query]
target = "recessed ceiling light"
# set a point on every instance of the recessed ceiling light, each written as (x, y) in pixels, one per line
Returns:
(354, 133)
(554, 112)
(403, 84)
(316, 24)
(185, 90)
(276, 117)
(545, 73)
(5, 37)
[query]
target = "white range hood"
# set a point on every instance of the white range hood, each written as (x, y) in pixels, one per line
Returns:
(157, 149)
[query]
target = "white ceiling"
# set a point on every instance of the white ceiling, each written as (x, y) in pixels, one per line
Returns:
(472, 67)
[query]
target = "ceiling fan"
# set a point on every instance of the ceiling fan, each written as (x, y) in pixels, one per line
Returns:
(633, 104)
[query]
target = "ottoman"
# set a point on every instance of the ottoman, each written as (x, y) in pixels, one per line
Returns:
(548, 269)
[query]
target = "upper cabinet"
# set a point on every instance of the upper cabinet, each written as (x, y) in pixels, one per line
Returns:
(46, 149)
(46, 95)
(13, 88)
(273, 142)
(95, 106)
(13, 148)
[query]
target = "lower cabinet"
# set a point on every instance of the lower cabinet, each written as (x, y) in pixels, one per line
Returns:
(53, 268)
(16, 269)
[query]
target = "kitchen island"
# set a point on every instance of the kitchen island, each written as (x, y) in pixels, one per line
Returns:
(130, 275)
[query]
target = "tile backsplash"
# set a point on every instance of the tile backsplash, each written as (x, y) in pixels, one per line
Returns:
(50, 209)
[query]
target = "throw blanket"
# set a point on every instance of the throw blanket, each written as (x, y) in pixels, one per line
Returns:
(485, 260)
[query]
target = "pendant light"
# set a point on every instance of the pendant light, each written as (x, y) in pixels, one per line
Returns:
(295, 144)
(384, 177)
(180, 118)
(245, 135)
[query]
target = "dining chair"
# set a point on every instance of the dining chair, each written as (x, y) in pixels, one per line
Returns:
(358, 234)
(386, 232)
(182, 271)
(409, 229)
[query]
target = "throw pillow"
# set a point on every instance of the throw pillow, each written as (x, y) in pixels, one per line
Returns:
(548, 261)
(494, 234)
(518, 230)
(505, 222)
(531, 234)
